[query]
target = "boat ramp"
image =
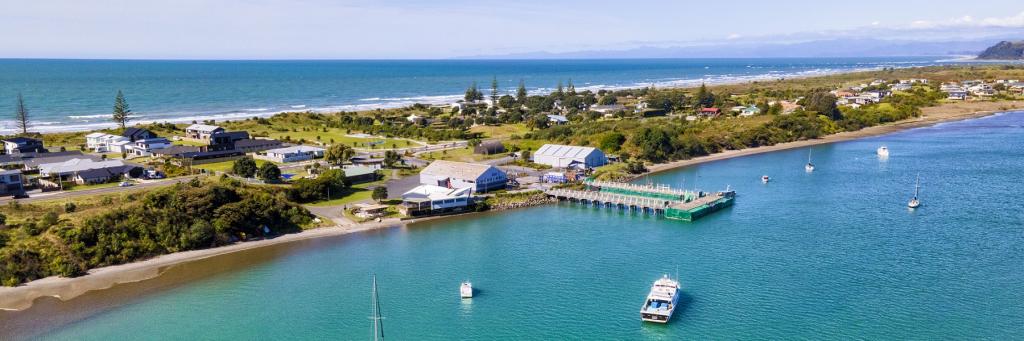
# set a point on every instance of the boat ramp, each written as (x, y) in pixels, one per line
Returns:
(662, 200)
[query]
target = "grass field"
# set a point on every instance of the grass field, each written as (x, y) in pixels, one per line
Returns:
(354, 194)
(224, 166)
(501, 132)
(461, 154)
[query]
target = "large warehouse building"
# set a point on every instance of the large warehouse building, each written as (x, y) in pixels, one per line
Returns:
(561, 156)
(450, 174)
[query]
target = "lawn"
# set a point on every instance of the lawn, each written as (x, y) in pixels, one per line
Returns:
(224, 166)
(460, 154)
(335, 135)
(189, 143)
(354, 194)
(501, 131)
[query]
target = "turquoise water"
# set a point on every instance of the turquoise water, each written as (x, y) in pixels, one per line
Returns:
(834, 254)
(79, 94)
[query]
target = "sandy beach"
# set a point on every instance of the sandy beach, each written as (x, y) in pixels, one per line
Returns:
(22, 297)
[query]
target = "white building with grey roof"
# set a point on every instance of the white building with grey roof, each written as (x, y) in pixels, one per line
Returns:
(562, 156)
(451, 174)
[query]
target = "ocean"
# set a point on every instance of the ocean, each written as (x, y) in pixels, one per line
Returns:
(69, 95)
(829, 255)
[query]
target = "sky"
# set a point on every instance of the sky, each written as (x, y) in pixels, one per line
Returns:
(400, 29)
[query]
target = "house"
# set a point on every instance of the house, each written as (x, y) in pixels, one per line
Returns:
(256, 145)
(368, 161)
(291, 154)
(431, 199)
(202, 132)
(193, 155)
(557, 119)
(451, 174)
(489, 148)
(20, 144)
(957, 95)
(31, 161)
(367, 211)
(86, 171)
(709, 112)
(750, 111)
(360, 174)
(222, 140)
(135, 134)
(105, 143)
(562, 156)
(608, 109)
(901, 87)
(146, 147)
(11, 182)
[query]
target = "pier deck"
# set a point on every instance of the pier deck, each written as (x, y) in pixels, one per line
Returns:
(658, 200)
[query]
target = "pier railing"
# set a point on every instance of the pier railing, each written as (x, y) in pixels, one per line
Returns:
(650, 191)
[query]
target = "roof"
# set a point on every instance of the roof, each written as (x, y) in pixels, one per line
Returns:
(43, 159)
(94, 173)
(78, 165)
(129, 132)
(234, 135)
(558, 118)
(558, 150)
(176, 150)
(203, 127)
(154, 140)
(357, 171)
(437, 192)
(457, 170)
(256, 143)
(96, 135)
(22, 140)
(9, 172)
(295, 149)
(709, 110)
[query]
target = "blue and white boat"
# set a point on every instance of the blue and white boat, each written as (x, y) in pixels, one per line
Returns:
(661, 302)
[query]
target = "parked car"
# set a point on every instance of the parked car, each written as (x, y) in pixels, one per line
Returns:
(124, 184)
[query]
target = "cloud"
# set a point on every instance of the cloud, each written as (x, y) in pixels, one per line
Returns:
(734, 36)
(1015, 21)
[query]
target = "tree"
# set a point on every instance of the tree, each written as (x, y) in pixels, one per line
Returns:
(611, 142)
(21, 115)
(824, 103)
(339, 153)
(244, 167)
(607, 100)
(494, 91)
(572, 89)
(269, 172)
(391, 158)
(521, 93)
(472, 94)
(559, 91)
(379, 193)
(122, 113)
(705, 98)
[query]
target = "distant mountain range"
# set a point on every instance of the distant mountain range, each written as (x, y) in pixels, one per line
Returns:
(859, 47)
(1004, 50)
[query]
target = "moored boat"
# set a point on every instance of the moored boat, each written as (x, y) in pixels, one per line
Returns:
(883, 151)
(661, 301)
(914, 202)
(809, 167)
(466, 290)
(765, 179)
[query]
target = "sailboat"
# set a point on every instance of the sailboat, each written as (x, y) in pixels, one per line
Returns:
(378, 325)
(810, 166)
(914, 203)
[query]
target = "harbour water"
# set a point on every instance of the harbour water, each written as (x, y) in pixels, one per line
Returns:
(833, 254)
(79, 94)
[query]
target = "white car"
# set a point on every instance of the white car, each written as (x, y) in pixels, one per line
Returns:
(125, 184)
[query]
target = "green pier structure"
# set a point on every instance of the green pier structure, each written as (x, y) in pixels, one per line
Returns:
(674, 204)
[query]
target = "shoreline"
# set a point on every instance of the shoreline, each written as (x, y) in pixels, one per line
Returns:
(930, 116)
(23, 297)
(243, 114)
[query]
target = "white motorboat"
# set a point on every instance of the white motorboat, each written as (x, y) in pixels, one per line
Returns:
(809, 167)
(765, 179)
(661, 302)
(466, 290)
(914, 202)
(883, 151)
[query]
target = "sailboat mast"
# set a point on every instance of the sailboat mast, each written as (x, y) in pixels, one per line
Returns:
(378, 326)
(917, 186)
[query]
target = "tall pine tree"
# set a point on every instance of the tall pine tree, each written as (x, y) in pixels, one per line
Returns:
(21, 115)
(494, 91)
(572, 89)
(122, 113)
(521, 92)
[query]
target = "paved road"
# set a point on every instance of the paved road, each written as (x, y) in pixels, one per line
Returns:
(37, 196)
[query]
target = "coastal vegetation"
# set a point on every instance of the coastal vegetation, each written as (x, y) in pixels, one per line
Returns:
(68, 238)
